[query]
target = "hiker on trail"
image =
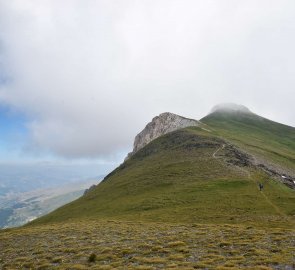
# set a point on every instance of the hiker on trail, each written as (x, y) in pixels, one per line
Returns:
(260, 186)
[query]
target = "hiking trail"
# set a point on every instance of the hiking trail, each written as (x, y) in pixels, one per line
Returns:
(277, 209)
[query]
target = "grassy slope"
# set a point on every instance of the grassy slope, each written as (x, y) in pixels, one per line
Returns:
(269, 140)
(175, 178)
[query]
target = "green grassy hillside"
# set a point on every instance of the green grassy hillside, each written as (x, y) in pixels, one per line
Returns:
(195, 175)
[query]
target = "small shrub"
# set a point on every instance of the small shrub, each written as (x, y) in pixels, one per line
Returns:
(92, 257)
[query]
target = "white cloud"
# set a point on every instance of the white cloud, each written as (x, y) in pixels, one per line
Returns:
(90, 74)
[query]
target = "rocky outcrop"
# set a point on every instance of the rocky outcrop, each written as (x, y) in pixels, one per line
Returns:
(237, 157)
(160, 125)
(89, 189)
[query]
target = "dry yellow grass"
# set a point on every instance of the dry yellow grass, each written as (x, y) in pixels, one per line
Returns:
(131, 245)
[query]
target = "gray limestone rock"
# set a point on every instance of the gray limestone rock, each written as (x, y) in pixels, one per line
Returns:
(160, 125)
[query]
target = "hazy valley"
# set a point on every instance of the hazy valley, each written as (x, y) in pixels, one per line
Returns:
(30, 190)
(18, 208)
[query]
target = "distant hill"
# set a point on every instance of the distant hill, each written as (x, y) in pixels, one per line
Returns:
(207, 173)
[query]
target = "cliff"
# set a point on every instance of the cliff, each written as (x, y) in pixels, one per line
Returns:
(160, 125)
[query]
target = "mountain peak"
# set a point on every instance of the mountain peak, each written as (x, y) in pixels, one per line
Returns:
(160, 125)
(230, 107)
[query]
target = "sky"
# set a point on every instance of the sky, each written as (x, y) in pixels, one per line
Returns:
(79, 79)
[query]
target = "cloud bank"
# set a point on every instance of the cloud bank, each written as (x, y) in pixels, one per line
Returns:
(89, 74)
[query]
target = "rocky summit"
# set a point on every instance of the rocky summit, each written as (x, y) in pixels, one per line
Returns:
(160, 125)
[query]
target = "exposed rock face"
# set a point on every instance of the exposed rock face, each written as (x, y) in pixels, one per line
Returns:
(160, 125)
(89, 189)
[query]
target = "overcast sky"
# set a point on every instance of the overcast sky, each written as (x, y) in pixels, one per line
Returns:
(79, 79)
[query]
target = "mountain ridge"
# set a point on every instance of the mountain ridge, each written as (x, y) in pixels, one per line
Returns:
(190, 172)
(169, 122)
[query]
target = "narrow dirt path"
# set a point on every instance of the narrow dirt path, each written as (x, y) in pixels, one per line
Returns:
(220, 148)
(277, 209)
